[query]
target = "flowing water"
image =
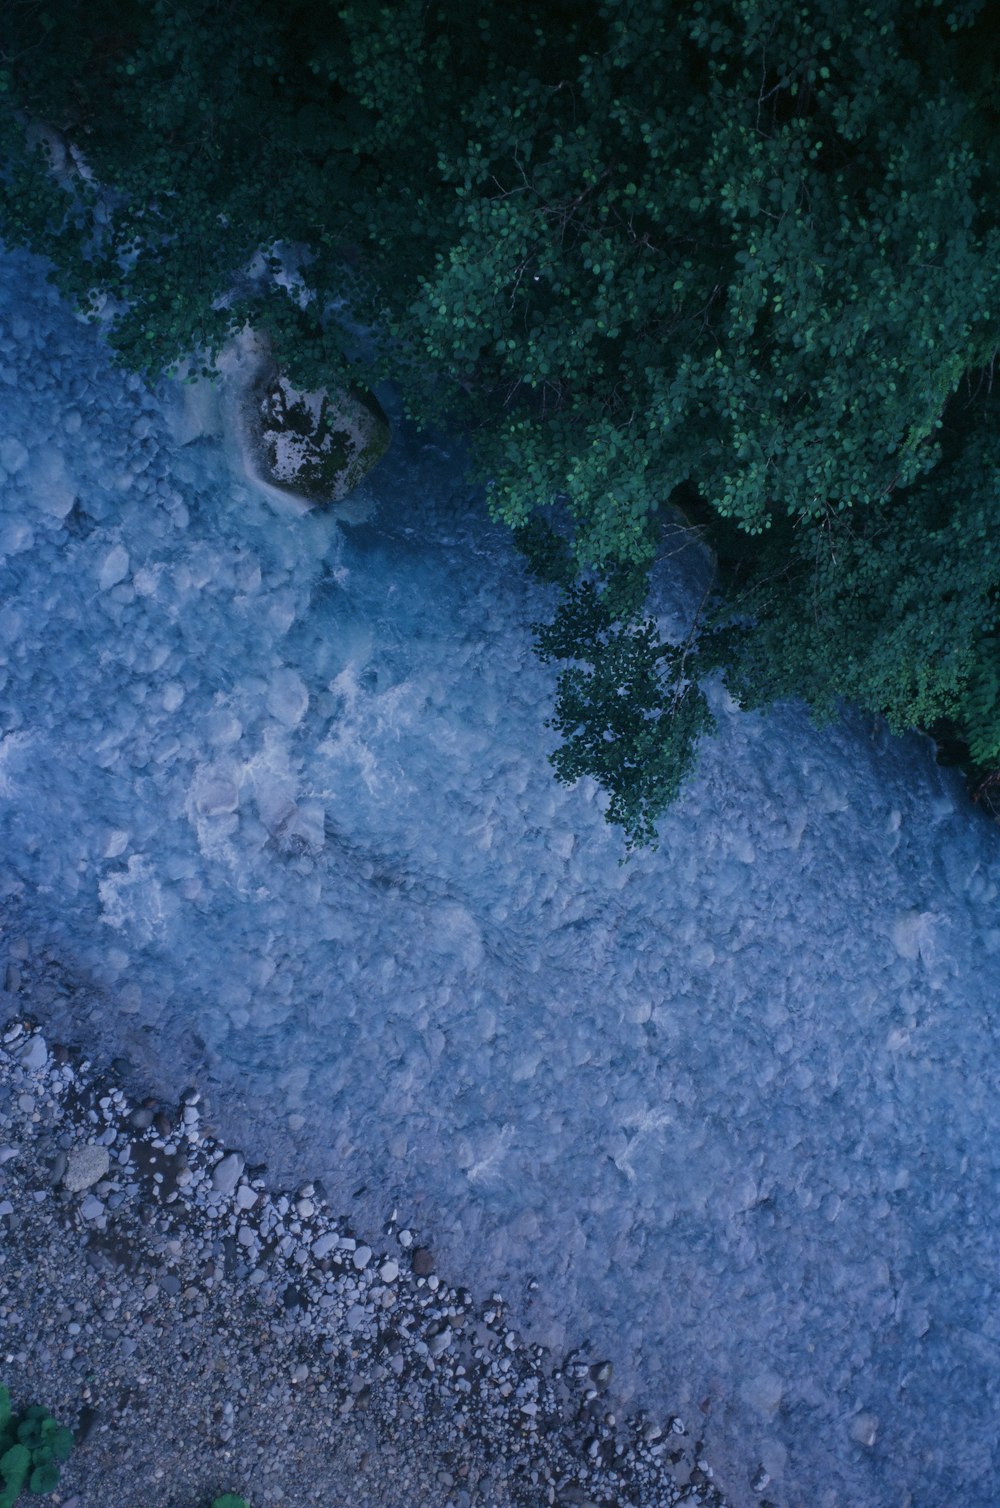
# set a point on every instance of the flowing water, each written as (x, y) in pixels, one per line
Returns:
(275, 815)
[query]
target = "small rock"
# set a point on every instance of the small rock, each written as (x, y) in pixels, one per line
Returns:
(84, 1166)
(389, 1271)
(423, 1262)
(226, 1173)
(114, 568)
(34, 1054)
(91, 1208)
(362, 1257)
(13, 455)
(864, 1429)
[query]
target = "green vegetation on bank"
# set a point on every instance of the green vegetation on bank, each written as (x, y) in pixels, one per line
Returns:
(741, 258)
(32, 1448)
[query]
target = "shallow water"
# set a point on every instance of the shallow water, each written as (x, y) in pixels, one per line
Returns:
(274, 801)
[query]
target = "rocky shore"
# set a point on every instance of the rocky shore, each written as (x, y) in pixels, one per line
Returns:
(202, 1333)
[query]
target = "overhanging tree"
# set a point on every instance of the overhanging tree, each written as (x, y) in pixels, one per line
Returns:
(741, 255)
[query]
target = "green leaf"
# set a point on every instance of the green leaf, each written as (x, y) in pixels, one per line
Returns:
(44, 1479)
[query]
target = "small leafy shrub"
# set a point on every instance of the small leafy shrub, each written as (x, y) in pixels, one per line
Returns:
(230, 1500)
(31, 1447)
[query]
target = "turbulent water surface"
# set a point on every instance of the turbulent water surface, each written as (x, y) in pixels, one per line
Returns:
(274, 802)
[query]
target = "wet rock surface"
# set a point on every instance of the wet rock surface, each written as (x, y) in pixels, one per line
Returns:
(318, 445)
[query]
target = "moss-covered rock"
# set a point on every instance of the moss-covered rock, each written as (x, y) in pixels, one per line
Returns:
(317, 445)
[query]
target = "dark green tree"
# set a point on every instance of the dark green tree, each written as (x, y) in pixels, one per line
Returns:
(738, 254)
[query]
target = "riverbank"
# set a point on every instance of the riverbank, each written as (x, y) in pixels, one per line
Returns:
(200, 1332)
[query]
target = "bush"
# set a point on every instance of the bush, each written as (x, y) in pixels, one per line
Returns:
(32, 1445)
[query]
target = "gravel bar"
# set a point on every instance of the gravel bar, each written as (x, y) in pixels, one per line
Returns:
(202, 1333)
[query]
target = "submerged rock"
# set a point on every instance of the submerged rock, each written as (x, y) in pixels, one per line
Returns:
(317, 445)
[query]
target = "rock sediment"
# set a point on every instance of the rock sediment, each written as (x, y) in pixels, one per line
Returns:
(201, 1333)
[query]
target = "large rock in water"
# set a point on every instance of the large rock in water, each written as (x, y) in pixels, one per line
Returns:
(317, 445)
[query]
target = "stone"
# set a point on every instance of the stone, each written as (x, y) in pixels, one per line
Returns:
(324, 1244)
(389, 1271)
(225, 1174)
(114, 568)
(85, 1166)
(287, 697)
(13, 455)
(439, 1343)
(91, 1208)
(423, 1262)
(362, 1257)
(34, 1054)
(763, 1392)
(864, 1429)
(317, 445)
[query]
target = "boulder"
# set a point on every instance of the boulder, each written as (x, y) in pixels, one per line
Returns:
(316, 445)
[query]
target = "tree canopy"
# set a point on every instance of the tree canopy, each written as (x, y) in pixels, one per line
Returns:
(737, 256)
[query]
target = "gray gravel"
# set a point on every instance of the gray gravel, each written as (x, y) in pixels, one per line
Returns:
(202, 1333)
